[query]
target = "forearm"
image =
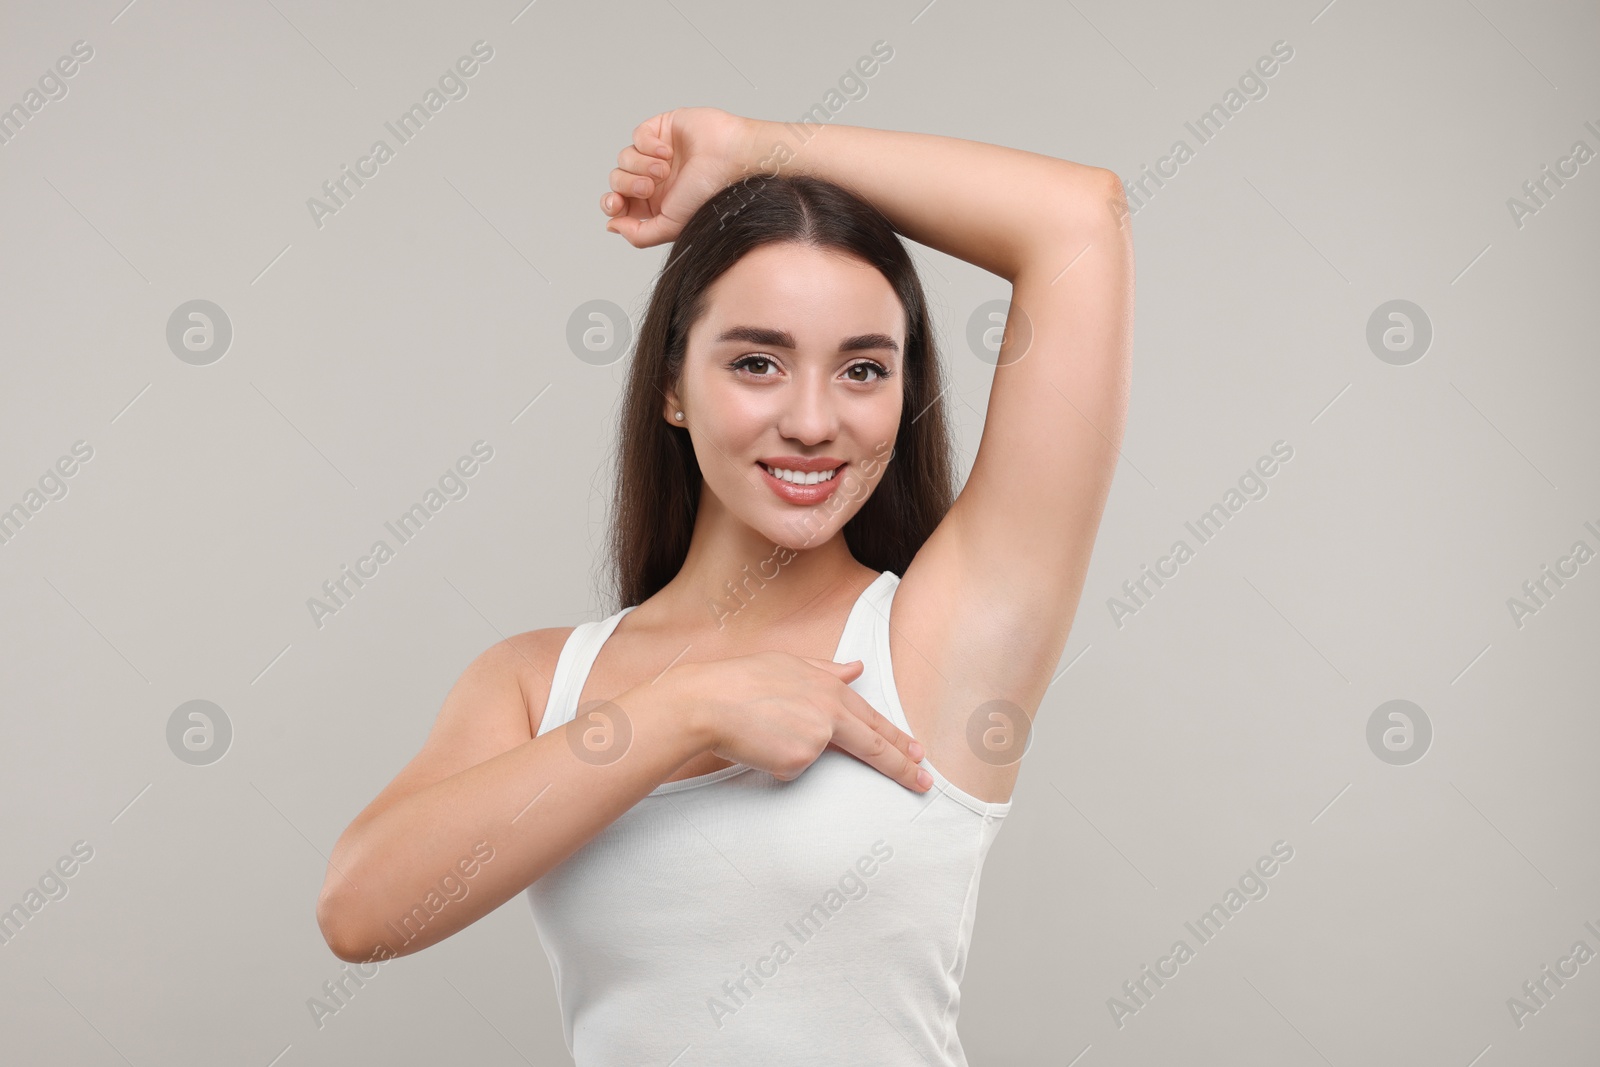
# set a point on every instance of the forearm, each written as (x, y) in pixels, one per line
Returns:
(1002, 209)
(527, 809)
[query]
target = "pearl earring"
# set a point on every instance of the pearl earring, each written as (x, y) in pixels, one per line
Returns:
(678, 416)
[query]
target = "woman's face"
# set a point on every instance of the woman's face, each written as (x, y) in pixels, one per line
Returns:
(798, 366)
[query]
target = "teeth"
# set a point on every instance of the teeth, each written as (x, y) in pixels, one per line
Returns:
(799, 477)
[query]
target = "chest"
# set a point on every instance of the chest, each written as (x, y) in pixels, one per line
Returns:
(967, 736)
(752, 847)
(627, 661)
(722, 917)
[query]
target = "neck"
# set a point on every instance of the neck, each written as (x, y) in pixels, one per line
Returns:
(738, 582)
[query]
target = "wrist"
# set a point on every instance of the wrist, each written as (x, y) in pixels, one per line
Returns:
(761, 148)
(696, 715)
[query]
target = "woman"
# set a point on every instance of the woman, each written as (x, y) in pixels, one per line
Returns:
(744, 835)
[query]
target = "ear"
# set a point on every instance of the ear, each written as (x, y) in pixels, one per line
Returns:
(670, 407)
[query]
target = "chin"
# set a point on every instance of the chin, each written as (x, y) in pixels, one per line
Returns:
(802, 530)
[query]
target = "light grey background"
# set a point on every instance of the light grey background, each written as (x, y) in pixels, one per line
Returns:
(370, 353)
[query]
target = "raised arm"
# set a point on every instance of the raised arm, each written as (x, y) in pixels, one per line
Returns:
(1006, 567)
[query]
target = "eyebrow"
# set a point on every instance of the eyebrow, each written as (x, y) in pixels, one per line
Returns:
(771, 338)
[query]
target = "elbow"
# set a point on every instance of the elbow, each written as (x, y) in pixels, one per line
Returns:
(338, 926)
(1091, 202)
(1111, 199)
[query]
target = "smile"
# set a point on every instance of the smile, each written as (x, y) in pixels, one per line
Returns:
(800, 487)
(799, 477)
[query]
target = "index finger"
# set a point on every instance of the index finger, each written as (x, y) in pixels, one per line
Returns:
(653, 136)
(872, 738)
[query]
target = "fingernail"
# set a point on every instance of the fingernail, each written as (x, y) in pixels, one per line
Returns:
(924, 779)
(916, 751)
(641, 187)
(658, 169)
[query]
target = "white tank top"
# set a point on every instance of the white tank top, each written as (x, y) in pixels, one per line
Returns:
(735, 919)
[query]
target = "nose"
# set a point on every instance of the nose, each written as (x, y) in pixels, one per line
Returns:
(809, 413)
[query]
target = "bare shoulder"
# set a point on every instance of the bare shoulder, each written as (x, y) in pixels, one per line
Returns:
(531, 657)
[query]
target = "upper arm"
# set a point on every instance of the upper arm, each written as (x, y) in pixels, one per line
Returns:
(495, 705)
(1003, 572)
(1026, 518)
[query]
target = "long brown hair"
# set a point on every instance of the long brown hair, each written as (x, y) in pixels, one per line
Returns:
(657, 490)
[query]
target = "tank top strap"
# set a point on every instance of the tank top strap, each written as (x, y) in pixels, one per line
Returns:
(857, 641)
(578, 654)
(866, 638)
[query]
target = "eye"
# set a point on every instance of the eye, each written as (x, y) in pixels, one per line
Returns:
(745, 362)
(766, 363)
(881, 371)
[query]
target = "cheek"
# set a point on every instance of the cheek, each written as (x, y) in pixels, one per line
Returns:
(878, 441)
(736, 414)
(734, 432)
(727, 441)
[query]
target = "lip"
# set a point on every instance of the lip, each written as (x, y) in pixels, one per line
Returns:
(803, 494)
